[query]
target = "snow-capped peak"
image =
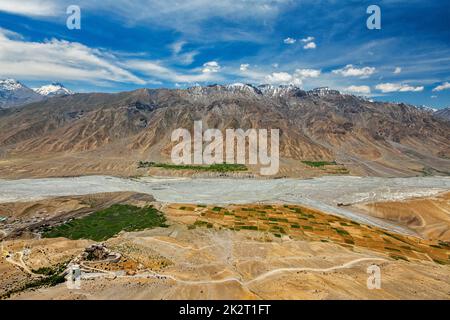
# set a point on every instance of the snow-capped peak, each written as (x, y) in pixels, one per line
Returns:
(323, 91)
(235, 88)
(54, 89)
(264, 90)
(10, 85)
(242, 87)
(237, 85)
(277, 91)
(13, 93)
(427, 108)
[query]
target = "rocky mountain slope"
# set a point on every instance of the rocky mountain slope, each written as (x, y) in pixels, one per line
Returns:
(107, 133)
(443, 114)
(14, 93)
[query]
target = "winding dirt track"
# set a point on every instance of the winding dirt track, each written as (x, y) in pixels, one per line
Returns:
(21, 264)
(282, 270)
(261, 277)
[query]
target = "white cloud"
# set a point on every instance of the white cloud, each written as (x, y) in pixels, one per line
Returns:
(279, 78)
(310, 45)
(187, 58)
(179, 57)
(33, 8)
(296, 78)
(211, 66)
(308, 39)
(396, 87)
(177, 46)
(358, 89)
(408, 88)
(350, 71)
(186, 17)
(244, 67)
(307, 73)
(289, 41)
(397, 70)
(8, 34)
(158, 71)
(444, 86)
(59, 60)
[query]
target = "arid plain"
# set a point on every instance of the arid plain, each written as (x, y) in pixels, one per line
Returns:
(255, 251)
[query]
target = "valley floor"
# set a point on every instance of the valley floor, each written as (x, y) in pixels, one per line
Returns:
(331, 194)
(234, 239)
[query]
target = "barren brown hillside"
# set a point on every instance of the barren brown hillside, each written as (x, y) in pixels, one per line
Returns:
(429, 216)
(108, 133)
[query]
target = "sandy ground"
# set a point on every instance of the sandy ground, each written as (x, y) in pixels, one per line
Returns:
(216, 262)
(429, 216)
(222, 264)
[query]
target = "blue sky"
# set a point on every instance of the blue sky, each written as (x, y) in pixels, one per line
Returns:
(124, 45)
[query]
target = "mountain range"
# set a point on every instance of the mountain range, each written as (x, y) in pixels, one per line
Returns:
(13, 93)
(443, 114)
(100, 133)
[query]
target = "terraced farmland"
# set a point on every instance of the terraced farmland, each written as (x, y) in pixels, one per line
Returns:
(303, 223)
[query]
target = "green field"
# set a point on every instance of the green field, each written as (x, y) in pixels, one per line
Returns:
(224, 167)
(318, 164)
(104, 224)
